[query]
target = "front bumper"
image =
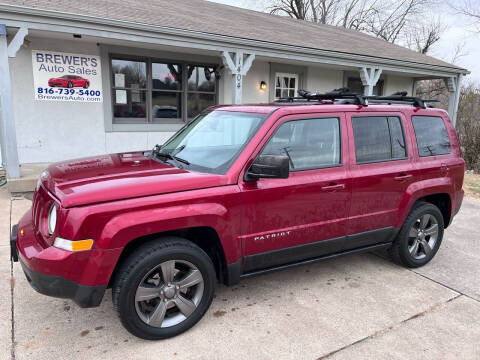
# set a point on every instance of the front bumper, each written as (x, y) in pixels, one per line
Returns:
(54, 272)
(57, 286)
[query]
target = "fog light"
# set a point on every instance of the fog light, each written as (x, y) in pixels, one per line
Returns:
(69, 245)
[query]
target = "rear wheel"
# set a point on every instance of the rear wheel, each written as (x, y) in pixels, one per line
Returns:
(69, 85)
(164, 288)
(420, 236)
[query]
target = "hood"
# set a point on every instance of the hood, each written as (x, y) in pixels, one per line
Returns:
(120, 176)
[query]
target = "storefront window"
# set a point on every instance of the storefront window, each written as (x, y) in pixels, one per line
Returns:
(166, 92)
(147, 91)
(129, 90)
(201, 89)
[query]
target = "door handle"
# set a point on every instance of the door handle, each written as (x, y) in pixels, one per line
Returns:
(334, 187)
(403, 177)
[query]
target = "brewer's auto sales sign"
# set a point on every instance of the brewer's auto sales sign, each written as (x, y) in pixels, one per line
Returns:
(61, 76)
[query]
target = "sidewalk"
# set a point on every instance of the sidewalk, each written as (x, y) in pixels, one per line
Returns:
(356, 307)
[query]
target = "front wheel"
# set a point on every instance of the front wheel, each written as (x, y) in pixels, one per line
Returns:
(70, 85)
(86, 85)
(420, 236)
(164, 288)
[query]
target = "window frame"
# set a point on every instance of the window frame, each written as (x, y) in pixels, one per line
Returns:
(416, 139)
(387, 116)
(151, 123)
(113, 89)
(340, 137)
(288, 75)
(301, 71)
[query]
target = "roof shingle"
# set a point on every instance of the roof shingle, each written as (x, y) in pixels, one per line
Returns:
(208, 17)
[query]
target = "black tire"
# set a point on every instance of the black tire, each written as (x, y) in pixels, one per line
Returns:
(139, 264)
(86, 85)
(69, 85)
(399, 252)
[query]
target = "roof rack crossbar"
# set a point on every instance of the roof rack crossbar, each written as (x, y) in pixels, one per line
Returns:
(358, 99)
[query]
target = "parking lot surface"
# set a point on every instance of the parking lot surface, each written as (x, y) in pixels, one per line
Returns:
(355, 307)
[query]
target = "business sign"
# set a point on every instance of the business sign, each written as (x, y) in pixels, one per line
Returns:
(61, 76)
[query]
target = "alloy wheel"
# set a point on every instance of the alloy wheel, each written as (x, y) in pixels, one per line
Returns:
(423, 236)
(168, 294)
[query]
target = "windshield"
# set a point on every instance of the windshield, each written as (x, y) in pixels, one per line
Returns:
(213, 140)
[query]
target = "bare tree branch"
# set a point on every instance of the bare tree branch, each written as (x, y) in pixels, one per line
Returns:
(395, 21)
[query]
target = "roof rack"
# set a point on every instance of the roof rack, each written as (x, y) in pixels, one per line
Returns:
(344, 96)
(401, 98)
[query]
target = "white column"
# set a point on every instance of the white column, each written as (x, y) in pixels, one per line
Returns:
(414, 87)
(7, 128)
(369, 77)
(453, 85)
(238, 63)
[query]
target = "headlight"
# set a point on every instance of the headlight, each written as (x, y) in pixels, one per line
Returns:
(52, 219)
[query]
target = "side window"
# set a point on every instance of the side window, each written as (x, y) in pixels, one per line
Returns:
(310, 143)
(378, 138)
(431, 134)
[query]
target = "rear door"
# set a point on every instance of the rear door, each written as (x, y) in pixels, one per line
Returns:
(381, 169)
(304, 216)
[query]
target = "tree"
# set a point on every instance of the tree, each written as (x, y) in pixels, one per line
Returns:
(469, 9)
(400, 21)
(423, 36)
(468, 125)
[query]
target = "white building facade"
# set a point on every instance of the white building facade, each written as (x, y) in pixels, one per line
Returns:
(74, 85)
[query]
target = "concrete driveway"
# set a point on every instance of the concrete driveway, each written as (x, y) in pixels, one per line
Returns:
(356, 307)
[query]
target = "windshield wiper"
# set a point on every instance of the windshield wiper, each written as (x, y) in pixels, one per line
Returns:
(156, 152)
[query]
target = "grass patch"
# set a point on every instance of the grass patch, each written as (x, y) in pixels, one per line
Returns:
(471, 185)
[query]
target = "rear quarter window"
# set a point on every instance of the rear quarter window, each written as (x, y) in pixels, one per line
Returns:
(431, 134)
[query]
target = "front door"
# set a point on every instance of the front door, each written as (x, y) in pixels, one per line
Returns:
(304, 216)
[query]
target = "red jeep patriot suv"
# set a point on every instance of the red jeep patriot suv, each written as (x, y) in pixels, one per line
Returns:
(239, 191)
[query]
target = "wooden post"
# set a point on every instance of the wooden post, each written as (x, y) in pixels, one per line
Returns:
(453, 85)
(238, 66)
(369, 77)
(8, 134)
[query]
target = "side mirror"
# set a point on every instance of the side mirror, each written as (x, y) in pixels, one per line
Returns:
(269, 166)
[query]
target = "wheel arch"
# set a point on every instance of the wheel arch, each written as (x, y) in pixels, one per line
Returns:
(444, 202)
(204, 237)
(437, 192)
